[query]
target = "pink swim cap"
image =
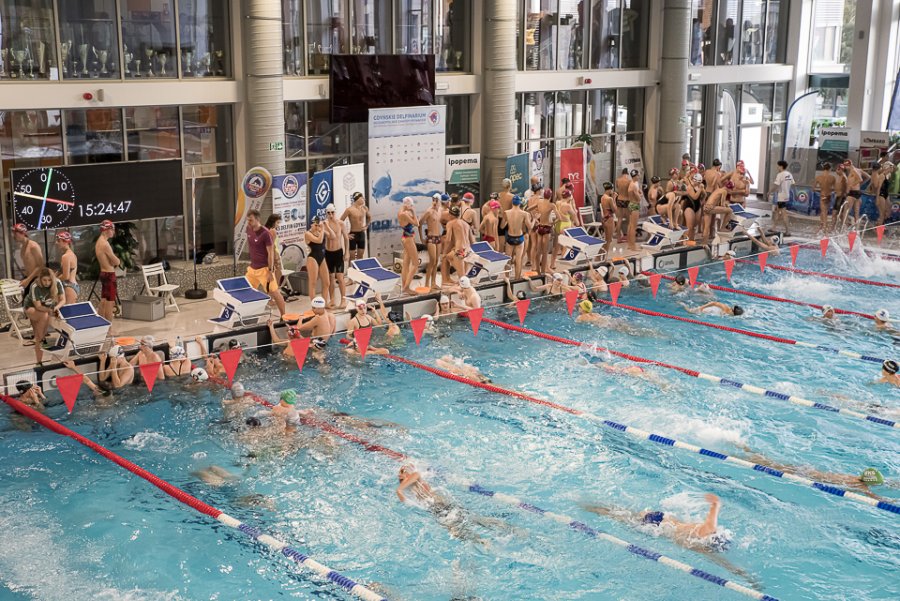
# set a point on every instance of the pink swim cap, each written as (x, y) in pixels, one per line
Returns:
(494, 204)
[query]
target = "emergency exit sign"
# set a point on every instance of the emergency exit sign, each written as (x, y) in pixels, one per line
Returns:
(276, 145)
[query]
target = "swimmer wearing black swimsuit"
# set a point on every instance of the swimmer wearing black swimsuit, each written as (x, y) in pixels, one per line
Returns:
(317, 251)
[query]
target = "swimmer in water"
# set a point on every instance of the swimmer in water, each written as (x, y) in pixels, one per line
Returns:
(214, 366)
(179, 365)
(452, 516)
(97, 390)
(678, 284)
(889, 375)
(715, 308)
(883, 322)
(115, 371)
(239, 402)
(557, 285)
(384, 317)
(586, 314)
(460, 368)
(828, 312)
(635, 371)
(359, 321)
(704, 536)
(759, 238)
(861, 483)
(32, 396)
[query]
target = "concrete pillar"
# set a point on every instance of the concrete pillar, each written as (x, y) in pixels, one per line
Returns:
(872, 58)
(264, 88)
(499, 93)
(673, 80)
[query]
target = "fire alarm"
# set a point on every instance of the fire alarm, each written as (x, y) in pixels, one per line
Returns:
(587, 80)
(87, 96)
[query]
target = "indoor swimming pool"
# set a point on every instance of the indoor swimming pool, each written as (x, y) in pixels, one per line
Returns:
(75, 526)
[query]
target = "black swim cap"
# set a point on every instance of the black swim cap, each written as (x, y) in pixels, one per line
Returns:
(738, 310)
(253, 422)
(23, 386)
(679, 279)
(233, 343)
(654, 179)
(521, 295)
(395, 317)
(890, 366)
(454, 211)
(607, 186)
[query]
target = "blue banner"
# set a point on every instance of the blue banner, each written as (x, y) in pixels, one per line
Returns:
(321, 194)
(894, 115)
(518, 171)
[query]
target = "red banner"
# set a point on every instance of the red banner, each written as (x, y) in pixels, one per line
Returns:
(300, 346)
(68, 387)
(571, 165)
(729, 267)
(150, 371)
(851, 238)
(654, 283)
(763, 260)
(795, 250)
(614, 289)
(693, 272)
(823, 243)
(230, 360)
(522, 308)
(418, 328)
(362, 337)
(475, 316)
(571, 297)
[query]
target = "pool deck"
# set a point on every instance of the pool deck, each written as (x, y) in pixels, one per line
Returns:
(192, 320)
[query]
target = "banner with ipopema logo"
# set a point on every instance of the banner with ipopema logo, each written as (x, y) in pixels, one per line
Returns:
(407, 157)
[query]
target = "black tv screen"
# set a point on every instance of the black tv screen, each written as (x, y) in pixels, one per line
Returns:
(359, 82)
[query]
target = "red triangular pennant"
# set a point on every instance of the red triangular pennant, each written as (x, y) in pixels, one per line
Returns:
(418, 328)
(654, 283)
(149, 371)
(362, 337)
(571, 297)
(300, 346)
(475, 316)
(795, 250)
(879, 232)
(68, 387)
(763, 260)
(522, 307)
(693, 272)
(851, 238)
(823, 244)
(729, 267)
(230, 360)
(614, 289)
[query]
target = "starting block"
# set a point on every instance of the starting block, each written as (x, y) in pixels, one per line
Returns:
(660, 234)
(82, 331)
(242, 305)
(370, 277)
(581, 248)
(487, 263)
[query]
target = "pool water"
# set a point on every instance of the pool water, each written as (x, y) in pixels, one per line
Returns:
(74, 526)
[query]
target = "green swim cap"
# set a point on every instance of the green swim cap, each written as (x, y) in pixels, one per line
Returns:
(289, 396)
(872, 476)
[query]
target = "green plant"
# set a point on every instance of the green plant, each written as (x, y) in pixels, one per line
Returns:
(124, 245)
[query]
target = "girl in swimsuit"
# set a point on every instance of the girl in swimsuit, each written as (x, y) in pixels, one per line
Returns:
(565, 211)
(180, 364)
(409, 223)
(316, 267)
(692, 201)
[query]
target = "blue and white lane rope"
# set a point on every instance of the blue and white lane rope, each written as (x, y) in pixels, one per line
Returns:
(659, 439)
(837, 351)
(600, 535)
(796, 400)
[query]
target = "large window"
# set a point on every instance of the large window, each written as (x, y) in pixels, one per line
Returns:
(439, 27)
(111, 39)
(832, 38)
(600, 34)
(731, 32)
(557, 120)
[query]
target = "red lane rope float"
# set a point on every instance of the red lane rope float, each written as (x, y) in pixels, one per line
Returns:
(490, 387)
(635, 358)
(777, 299)
(699, 323)
(326, 427)
(193, 502)
(829, 276)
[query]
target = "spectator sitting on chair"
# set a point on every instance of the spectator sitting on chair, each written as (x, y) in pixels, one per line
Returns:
(44, 299)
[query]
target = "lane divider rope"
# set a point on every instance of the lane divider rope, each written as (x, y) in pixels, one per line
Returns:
(473, 487)
(659, 439)
(181, 496)
(829, 276)
(796, 400)
(760, 335)
(776, 299)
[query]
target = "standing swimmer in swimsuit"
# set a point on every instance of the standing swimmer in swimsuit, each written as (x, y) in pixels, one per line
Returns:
(566, 216)
(337, 243)
(635, 198)
(457, 241)
(544, 211)
(408, 225)
(360, 218)
(516, 222)
(855, 179)
(316, 267)
(433, 237)
(608, 215)
(692, 200)
(623, 182)
(490, 224)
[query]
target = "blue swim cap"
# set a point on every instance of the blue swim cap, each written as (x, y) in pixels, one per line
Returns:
(445, 197)
(517, 200)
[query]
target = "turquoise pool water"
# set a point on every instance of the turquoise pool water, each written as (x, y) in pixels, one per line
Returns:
(74, 526)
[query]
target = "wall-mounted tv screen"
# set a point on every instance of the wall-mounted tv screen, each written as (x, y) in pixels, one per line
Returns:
(363, 81)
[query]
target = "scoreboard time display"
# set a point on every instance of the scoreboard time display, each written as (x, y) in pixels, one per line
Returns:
(47, 198)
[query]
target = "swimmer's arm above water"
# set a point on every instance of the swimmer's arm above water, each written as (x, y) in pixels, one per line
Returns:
(406, 483)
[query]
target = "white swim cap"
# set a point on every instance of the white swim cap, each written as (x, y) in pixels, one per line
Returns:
(407, 201)
(436, 196)
(623, 270)
(318, 303)
(602, 270)
(882, 315)
(330, 208)
(114, 351)
(507, 183)
(558, 277)
(753, 230)
(237, 390)
(147, 341)
(178, 352)
(429, 318)
(464, 282)
(361, 303)
(199, 374)
(730, 253)
(444, 299)
(827, 308)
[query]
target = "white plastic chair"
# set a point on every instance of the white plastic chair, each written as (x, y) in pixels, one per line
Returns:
(592, 227)
(163, 287)
(13, 303)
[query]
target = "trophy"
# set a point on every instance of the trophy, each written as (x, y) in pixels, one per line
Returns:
(220, 62)
(149, 53)
(128, 56)
(104, 55)
(458, 55)
(83, 54)
(205, 62)
(20, 60)
(137, 68)
(4, 54)
(188, 60)
(445, 56)
(163, 59)
(42, 53)
(64, 56)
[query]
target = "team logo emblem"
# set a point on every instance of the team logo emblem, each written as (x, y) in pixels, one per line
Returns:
(290, 186)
